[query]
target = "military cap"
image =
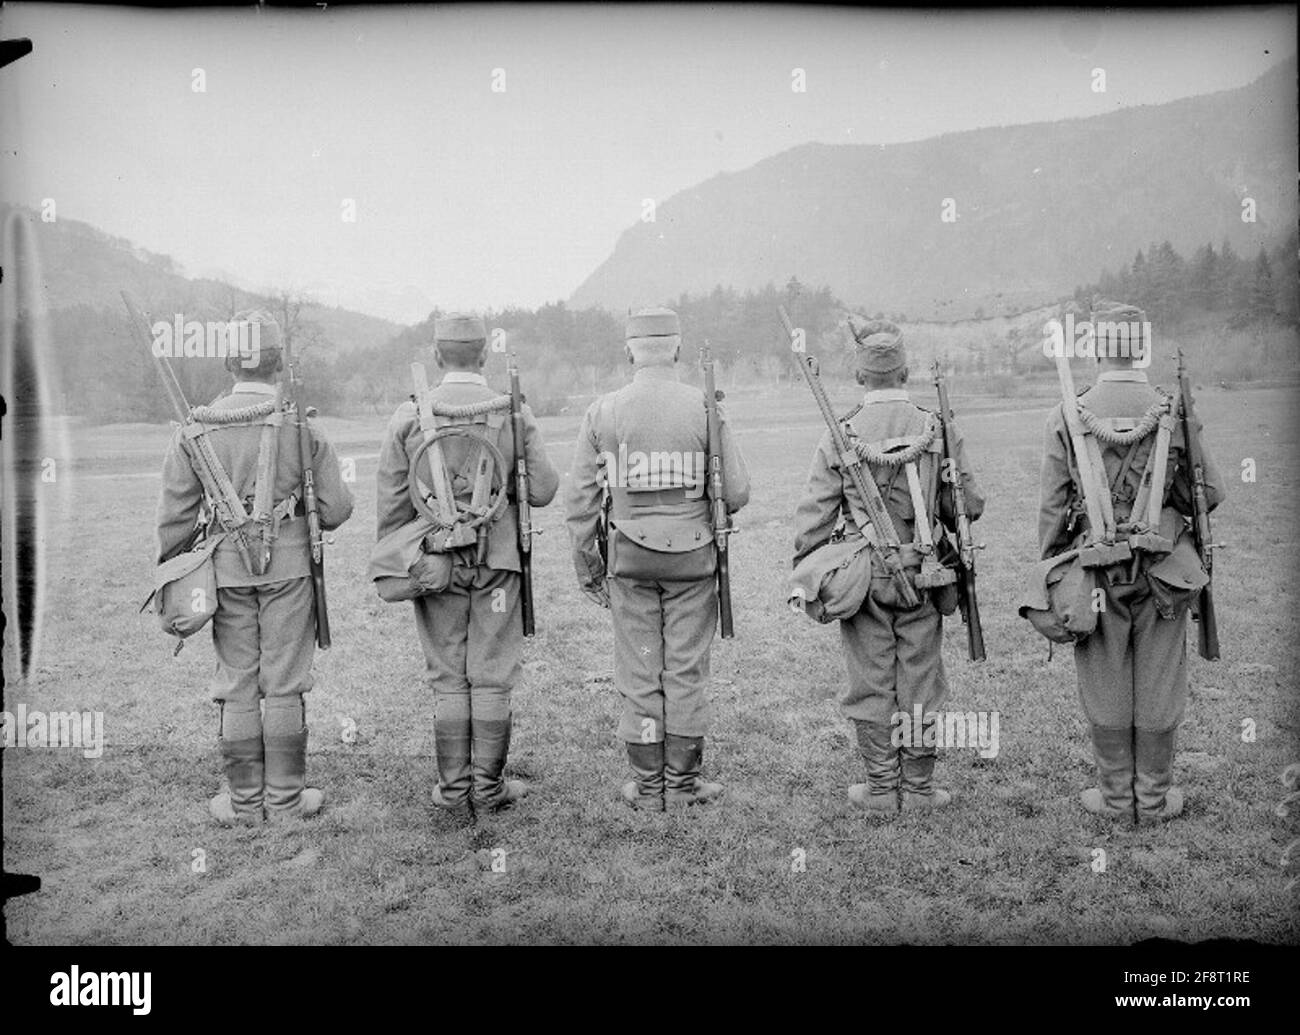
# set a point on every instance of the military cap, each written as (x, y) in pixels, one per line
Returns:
(459, 327)
(1104, 310)
(269, 336)
(879, 347)
(653, 323)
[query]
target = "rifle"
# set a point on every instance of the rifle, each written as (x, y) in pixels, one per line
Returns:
(227, 506)
(867, 489)
(970, 610)
(311, 509)
(717, 501)
(521, 497)
(1207, 622)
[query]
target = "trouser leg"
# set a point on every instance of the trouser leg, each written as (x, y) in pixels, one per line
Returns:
(638, 659)
(1104, 661)
(287, 621)
(494, 662)
(442, 621)
(234, 686)
(921, 683)
(1160, 648)
(690, 613)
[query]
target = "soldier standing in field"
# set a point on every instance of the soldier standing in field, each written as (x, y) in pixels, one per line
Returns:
(471, 632)
(894, 654)
(1128, 620)
(264, 629)
(641, 452)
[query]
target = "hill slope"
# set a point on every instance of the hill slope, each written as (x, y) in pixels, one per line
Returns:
(1040, 208)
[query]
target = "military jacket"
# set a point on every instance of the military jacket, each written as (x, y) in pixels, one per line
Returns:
(885, 417)
(1119, 398)
(237, 447)
(404, 437)
(649, 437)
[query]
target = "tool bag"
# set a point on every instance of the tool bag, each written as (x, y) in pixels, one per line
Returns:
(185, 590)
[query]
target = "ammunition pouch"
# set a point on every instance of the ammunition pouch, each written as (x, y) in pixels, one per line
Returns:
(884, 590)
(185, 589)
(1178, 576)
(940, 578)
(647, 543)
(635, 553)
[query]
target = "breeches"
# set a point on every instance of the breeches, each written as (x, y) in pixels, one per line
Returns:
(894, 661)
(472, 637)
(663, 632)
(264, 637)
(1133, 667)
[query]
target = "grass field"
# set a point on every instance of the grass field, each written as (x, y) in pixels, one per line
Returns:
(127, 853)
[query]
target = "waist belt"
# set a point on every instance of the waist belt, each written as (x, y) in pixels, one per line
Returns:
(626, 502)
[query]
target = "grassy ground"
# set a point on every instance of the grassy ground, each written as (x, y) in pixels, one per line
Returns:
(118, 840)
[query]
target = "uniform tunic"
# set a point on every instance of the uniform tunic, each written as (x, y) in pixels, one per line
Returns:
(894, 659)
(264, 629)
(1133, 668)
(650, 441)
(471, 633)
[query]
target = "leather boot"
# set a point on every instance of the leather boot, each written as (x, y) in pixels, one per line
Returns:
(880, 793)
(683, 757)
(918, 787)
(287, 793)
(646, 790)
(244, 766)
(1157, 799)
(491, 746)
(1113, 795)
(451, 739)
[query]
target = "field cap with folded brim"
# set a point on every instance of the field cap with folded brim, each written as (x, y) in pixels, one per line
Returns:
(1106, 311)
(653, 323)
(459, 327)
(879, 347)
(268, 327)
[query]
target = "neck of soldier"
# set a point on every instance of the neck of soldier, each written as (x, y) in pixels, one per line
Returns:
(658, 367)
(1108, 364)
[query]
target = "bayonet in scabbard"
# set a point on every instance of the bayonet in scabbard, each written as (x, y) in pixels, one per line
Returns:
(1206, 619)
(315, 538)
(966, 545)
(521, 498)
(719, 518)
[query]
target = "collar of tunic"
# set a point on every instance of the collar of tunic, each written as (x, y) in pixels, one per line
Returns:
(252, 388)
(1123, 375)
(882, 395)
(655, 374)
(463, 377)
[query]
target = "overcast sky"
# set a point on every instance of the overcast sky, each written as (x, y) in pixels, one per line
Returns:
(474, 197)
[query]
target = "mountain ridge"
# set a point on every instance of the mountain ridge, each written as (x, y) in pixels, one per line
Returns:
(828, 208)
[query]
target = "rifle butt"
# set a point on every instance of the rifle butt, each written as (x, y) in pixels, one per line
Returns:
(323, 639)
(725, 620)
(526, 594)
(1207, 627)
(974, 628)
